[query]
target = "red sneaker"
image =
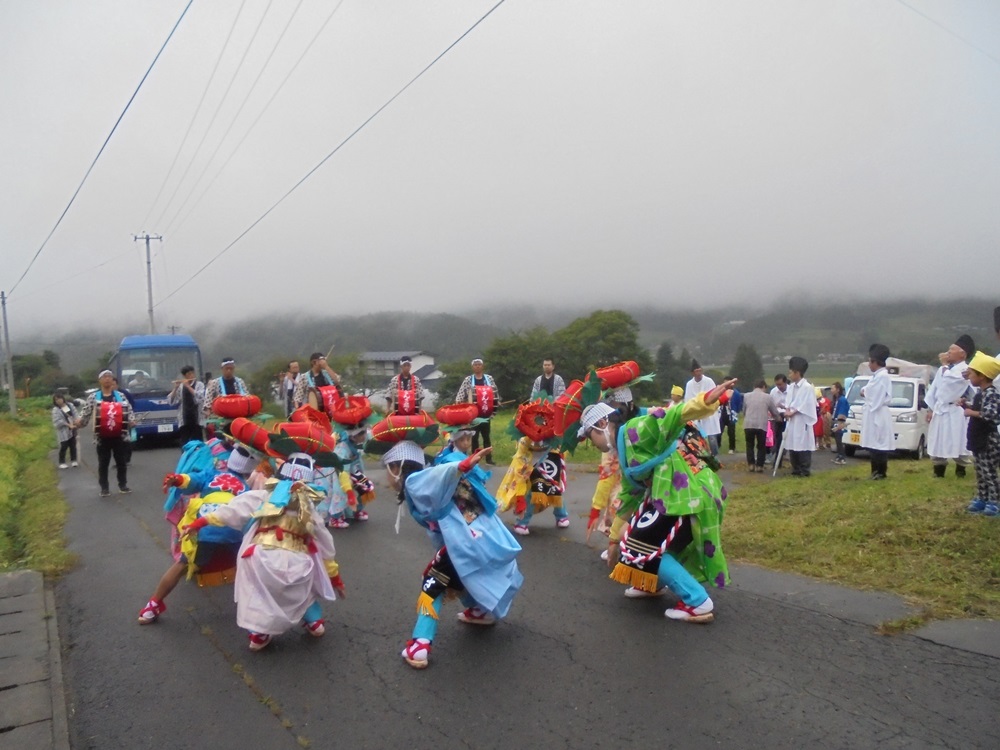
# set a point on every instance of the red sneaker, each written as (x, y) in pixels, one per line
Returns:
(338, 523)
(361, 515)
(151, 611)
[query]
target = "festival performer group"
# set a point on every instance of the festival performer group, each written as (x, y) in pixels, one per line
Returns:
(255, 507)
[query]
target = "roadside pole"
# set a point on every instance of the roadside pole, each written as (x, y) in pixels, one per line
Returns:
(8, 366)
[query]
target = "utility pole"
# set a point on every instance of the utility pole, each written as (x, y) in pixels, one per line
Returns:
(173, 330)
(149, 275)
(8, 359)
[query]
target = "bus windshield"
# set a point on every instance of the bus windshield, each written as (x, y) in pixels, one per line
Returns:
(151, 372)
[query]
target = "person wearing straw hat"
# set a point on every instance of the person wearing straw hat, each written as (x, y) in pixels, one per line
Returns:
(983, 438)
(946, 431)
(667, 533)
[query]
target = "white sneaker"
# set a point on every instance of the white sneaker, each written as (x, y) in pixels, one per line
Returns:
(684, 613)
(731, 452)
(562, 523)
(63, 466)
(521, 529)
(633, 593)
(604, 555)
(74, 464)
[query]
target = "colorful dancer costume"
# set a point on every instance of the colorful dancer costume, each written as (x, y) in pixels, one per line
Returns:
(210, 555)
(533, 484)
(354, 490)
(668, 526)
(287, 557)
(476, 556)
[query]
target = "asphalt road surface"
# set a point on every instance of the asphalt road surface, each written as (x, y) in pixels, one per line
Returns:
(575, 665)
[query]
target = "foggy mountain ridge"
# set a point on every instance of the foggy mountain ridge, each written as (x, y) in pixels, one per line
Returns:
(710, 335)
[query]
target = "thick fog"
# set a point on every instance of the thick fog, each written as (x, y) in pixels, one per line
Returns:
(564, 152)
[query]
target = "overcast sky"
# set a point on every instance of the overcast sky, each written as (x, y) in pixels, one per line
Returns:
(565, 151)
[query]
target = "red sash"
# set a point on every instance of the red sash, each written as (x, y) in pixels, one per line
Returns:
(330, 396)
(111, 420)
(484, 400)
(406, 401)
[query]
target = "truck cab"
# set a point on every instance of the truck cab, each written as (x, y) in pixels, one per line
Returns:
(908, 406)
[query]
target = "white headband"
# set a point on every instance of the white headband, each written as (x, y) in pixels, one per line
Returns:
(592, 415)
(227, 362)
(105, 372)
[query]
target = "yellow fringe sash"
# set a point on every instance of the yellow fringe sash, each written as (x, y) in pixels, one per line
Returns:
(632, 577)
(425, 606)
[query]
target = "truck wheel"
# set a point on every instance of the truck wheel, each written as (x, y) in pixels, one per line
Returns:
(850, 450)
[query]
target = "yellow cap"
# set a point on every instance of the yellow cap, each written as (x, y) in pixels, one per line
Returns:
(676, 391)
(986, 365)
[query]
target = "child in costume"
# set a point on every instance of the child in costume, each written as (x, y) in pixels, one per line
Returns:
(350, 418)
(667, 532)
(216, 548)
(984, 440)
(287, 557)
(476, 554)
(533, 484)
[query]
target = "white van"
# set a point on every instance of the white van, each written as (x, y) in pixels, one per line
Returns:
(908, 406)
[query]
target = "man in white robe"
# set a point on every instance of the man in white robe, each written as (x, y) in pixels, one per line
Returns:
(877, 436)
(800, 416)
(710, 426)
(948, 425)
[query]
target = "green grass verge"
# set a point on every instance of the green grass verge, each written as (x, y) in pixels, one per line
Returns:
(909, 535)
(32, 509)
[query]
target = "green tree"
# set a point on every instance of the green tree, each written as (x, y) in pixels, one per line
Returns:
(51, 359)
(671, 371)
(26, 366)
(747, 367)
(515, 361)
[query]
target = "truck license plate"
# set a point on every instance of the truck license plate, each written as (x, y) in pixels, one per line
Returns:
(164, 428)
(855, 437)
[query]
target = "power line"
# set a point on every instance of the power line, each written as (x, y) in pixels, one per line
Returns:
(335, 150)
(246, 135)
(197, 111)
(64, 279)
(103, 145)
(945, 29)
(236, 116)
(239, 65)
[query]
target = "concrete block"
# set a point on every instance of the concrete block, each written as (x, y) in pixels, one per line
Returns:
(36, 736)
(20, 582)
(26, 704)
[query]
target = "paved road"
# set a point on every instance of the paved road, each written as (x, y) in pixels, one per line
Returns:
(576, 665)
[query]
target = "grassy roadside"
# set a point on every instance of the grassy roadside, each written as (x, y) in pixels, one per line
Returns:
(32, 509)
(909, 535)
